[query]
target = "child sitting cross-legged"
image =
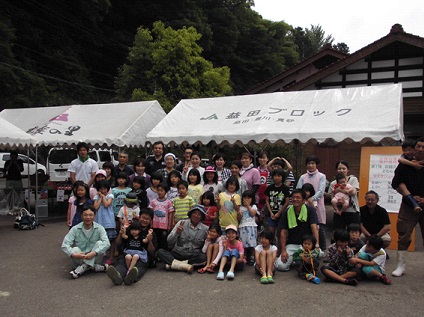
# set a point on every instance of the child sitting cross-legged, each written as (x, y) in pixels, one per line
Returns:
(306, 259)
(338, 268)
(371, 259)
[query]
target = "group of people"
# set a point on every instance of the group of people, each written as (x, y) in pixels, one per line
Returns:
(223, 216)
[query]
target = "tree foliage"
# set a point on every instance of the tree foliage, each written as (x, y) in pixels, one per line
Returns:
(61, 52)
(166, 64)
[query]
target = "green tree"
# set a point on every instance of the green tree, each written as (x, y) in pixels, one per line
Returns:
(341, 47)
(311, 41)
(166, 65)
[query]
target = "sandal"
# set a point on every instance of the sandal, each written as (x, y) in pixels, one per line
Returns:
(202, 270)
(210, 270)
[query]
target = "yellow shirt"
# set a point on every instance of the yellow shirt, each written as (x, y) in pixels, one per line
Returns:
(227, 213)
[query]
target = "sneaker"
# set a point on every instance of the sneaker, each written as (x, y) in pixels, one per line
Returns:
(114, 275)
(385, 280)
(220, 276)
(230, 275)
(79, 270)
(131, 276)
(98, 268)
(168, 267)
(351, 281)
(251, 261)
(270, 280)
(264, 280)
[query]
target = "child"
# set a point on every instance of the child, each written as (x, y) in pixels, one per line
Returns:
(340, 200)
(279, 163)
(339, 269)
(71, 211)
(210, 180)
(208, 201)
(264, 172)
(229, 204)
(195, 189)
(235, 169)
(233, 253)
(108, 168)
(155, 179)
(195, 160)
(248, 228)
(138, 185)
(407, 158)
(100, 175)
(174, 178)
(104, 215)
(120, 193)
(163, 216)
(82, 201)
(213, 248)
(305, 259)
(371, 259)
(277, 199)
(355, 243)
(134, 250)
(309, 191)
(182, 203)
(265, 256)
(129, 211)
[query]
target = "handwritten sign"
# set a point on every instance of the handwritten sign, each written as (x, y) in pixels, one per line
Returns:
(381, 172)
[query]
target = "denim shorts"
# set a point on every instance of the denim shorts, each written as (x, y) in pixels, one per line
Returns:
(232, 253)
(111, 234)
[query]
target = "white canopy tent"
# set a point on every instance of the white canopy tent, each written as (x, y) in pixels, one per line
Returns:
(11, 136)
(119, 124)
(351, 114)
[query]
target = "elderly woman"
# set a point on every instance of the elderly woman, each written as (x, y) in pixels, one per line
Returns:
(170, 163)
(85, 244)
(351, 215)
(186, 240)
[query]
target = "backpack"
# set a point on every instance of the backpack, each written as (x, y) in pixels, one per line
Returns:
(26, 221)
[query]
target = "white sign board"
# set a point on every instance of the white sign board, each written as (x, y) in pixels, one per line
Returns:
(382, 170)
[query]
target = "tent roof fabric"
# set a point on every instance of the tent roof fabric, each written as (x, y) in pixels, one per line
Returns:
(119, 124)
(351, 114)
(12, 136)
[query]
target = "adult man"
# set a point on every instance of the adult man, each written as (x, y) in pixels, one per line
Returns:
(296, 221)
(186, 240)
(85, 244)
(374, 219)
(13, 169)
(122, 165)
(409, 181)
(83, 168)
(157, 162)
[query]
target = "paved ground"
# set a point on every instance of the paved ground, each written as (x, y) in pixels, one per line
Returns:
(34, 281)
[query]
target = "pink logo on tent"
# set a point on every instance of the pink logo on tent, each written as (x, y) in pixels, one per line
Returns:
(61, 117)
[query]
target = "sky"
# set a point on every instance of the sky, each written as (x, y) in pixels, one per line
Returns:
(356, 23)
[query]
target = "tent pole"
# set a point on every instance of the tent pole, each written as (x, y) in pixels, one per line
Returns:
(36, 182)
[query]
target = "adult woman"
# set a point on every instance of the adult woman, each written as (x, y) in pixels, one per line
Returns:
(351, 215)
(318, 181)
(195, 160)
(170, 163)
(250, 174)
(140, 166)
(224, 173)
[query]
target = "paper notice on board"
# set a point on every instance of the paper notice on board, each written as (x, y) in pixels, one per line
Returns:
(382, 170)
